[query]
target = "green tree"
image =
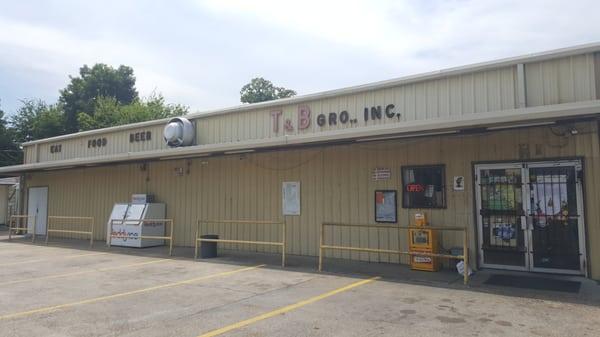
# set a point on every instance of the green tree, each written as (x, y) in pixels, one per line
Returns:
(261, 90)
(101, 80)
(109, 112)
(36, 120)
(10, 153)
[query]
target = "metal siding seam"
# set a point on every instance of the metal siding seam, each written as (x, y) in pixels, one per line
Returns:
(521, 86)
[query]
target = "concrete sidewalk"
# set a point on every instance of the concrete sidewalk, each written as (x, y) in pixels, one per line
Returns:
(589, 292)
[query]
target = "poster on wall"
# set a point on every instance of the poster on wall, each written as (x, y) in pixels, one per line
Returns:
(291, 197)
(385, 206)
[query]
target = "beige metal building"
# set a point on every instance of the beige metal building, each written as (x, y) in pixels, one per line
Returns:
(508, 148)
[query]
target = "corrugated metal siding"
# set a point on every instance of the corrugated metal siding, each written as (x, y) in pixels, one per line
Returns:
(597, 73)
(563, 80)
(117, 142)
(336, 185)
(491, 90)
(29, 155)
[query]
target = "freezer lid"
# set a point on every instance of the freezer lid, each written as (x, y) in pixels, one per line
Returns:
(118, 212)
(135, 212)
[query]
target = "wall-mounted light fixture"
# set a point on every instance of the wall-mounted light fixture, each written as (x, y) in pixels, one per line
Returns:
(573, 131)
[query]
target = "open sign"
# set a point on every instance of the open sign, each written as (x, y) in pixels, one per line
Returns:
(415, 188)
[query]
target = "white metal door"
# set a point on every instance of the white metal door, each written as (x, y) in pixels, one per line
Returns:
(37, 205)
(530, 216)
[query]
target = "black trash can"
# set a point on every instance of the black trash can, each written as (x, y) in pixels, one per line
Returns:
(208, 249)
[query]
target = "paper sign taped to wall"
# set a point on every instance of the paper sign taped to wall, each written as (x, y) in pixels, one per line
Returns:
(458, 183)
(291, 197)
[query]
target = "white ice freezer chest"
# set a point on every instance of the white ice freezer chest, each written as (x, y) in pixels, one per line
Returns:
(126, 227)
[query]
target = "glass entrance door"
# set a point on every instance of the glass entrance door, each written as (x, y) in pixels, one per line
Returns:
(530, 216)
(555, 218)
(501, 217)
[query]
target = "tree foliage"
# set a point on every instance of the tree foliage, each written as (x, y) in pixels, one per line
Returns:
(109, 112)
(36, 120)
(101, 96)
(100, 80)
(10, 154)
(261, 90)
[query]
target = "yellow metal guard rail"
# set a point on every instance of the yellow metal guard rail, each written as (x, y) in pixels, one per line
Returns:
(140, 222)
(464, 257)
(17, 220)
(199, 240)
(71, 225)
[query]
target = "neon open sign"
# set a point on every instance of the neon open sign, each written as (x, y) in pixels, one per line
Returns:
(415, 188)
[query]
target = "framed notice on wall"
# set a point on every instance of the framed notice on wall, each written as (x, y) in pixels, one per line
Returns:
(291, 197)
(385, 206)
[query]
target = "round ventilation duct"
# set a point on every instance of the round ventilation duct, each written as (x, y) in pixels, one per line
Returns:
(179, 131)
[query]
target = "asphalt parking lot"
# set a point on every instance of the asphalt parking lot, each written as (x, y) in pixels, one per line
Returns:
(65, 291)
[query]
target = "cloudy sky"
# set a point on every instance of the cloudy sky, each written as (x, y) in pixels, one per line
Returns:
(200, 53)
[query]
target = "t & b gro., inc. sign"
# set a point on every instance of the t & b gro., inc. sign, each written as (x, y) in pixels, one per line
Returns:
(305, 117)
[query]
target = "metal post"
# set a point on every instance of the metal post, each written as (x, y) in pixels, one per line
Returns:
(196, 241)
(34, 223)
(171, 239)
(10, 227)
(466, 256)
(92, 235)
(47, 230)
(321, 247)
(283, 248)
(110, 232)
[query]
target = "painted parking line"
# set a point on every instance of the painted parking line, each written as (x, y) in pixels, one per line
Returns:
(129, 293)
(84, 272)
(20, 246)
(47, 259)
(285, 309)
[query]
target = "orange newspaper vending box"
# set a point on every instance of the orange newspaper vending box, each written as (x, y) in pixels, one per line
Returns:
(423, 240)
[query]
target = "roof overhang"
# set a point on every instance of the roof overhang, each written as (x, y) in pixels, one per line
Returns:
(479, 121)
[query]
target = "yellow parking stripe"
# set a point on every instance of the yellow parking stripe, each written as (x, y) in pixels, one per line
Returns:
(84, 272)
(19, 247)
(129, 293)
(285, 309)
(46, 259)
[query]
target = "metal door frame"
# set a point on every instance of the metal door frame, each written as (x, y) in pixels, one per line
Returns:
(578, 166)
(478, 168)
(527, 231)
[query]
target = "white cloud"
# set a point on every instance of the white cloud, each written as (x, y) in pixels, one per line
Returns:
(426, 34)
(49, 50)
(353, 23)
(200, 53)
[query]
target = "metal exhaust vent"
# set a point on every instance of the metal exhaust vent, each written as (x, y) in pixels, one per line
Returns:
(179, 131)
